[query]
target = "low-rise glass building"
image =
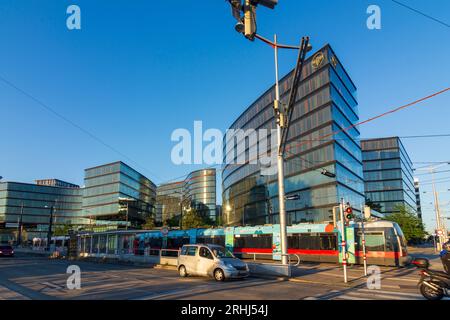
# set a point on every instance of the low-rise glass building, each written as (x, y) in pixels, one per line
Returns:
(117, 193)
(388, 174)
(326, 104)
(30, 205)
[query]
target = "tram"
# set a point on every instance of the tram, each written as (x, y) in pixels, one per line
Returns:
(385, 242)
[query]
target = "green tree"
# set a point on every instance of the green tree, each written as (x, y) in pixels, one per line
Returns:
(61, 230)
(173, 221)
(192, 219)
(149, 223)
(412, 227)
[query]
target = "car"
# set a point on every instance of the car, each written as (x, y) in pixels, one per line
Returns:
(6, 251)
(210, 260)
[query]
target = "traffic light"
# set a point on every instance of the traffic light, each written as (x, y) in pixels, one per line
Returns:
(246, 24)
(249, 20)
(348, 213)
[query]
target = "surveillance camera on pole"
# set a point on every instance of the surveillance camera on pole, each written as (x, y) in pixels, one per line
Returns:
(246, 23)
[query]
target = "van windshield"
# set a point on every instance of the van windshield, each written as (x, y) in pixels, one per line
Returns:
(222, 252)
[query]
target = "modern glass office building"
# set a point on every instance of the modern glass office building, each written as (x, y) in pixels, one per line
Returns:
(388, 174)
(116, 192)
(326, 104)
(31, 204)
(197, 191)
(169, 201)
(418, 204)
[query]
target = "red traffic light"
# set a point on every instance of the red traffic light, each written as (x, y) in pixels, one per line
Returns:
(349, 210)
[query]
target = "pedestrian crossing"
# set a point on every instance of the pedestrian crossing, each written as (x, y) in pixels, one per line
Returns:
(367, 294)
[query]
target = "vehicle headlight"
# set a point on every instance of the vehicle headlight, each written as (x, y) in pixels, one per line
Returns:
(228, 266)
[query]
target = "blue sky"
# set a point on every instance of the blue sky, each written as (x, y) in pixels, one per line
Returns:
(138, 70)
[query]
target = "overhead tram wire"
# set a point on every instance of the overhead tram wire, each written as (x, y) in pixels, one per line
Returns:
(422, 13)
(332, 134)
(72, 123)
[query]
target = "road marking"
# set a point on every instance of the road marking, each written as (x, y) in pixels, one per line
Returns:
(393, 292)
(347, 297)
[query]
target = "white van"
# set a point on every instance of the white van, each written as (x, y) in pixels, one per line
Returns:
(210, 260)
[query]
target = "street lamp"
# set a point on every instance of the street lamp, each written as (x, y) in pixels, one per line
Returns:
(50, 225)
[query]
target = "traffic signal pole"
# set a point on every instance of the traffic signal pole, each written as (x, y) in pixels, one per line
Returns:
(343, 239)
(280, 163)
(363, 240)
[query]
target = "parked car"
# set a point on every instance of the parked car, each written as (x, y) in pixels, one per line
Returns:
(6, 251)
(210, 260)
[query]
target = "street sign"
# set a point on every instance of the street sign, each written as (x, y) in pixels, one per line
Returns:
(164, 231)
(439, 232)
(11, 225)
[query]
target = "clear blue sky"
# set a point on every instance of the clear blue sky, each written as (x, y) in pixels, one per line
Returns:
(140, 69)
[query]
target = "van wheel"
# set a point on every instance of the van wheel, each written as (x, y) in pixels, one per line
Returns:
(182, 271)
(219, 275)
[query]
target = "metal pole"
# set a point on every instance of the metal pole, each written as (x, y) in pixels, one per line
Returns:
(343, 237)
(436, 205)
(19, 227)
(363, 240)
(126, 226)
(50, 224)
(280, 163)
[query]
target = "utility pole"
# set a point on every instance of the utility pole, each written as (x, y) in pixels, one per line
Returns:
(343, 239)
(437, 211)
(247, 25)
(50, 225)
(19, 231)
(363, 240)
(280, 162)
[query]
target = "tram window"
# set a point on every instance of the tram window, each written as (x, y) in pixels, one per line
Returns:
(391, 240)
(175, 243)
(263, 241)
(156, 242)
(308, 241)
(328, 242)
(375, 241)
(220, 240)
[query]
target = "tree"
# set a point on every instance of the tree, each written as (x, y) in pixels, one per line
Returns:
(173, 221)
(149, 223)
(61, 230)
(412, 227)
(373, 205)
(191, 219)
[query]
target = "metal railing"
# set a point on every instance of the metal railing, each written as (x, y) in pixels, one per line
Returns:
(289, 255)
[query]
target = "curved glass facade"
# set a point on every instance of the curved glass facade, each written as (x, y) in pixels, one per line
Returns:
(326, 103)
(197, 191)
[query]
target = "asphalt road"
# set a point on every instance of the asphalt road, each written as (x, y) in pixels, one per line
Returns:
(30, 277)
